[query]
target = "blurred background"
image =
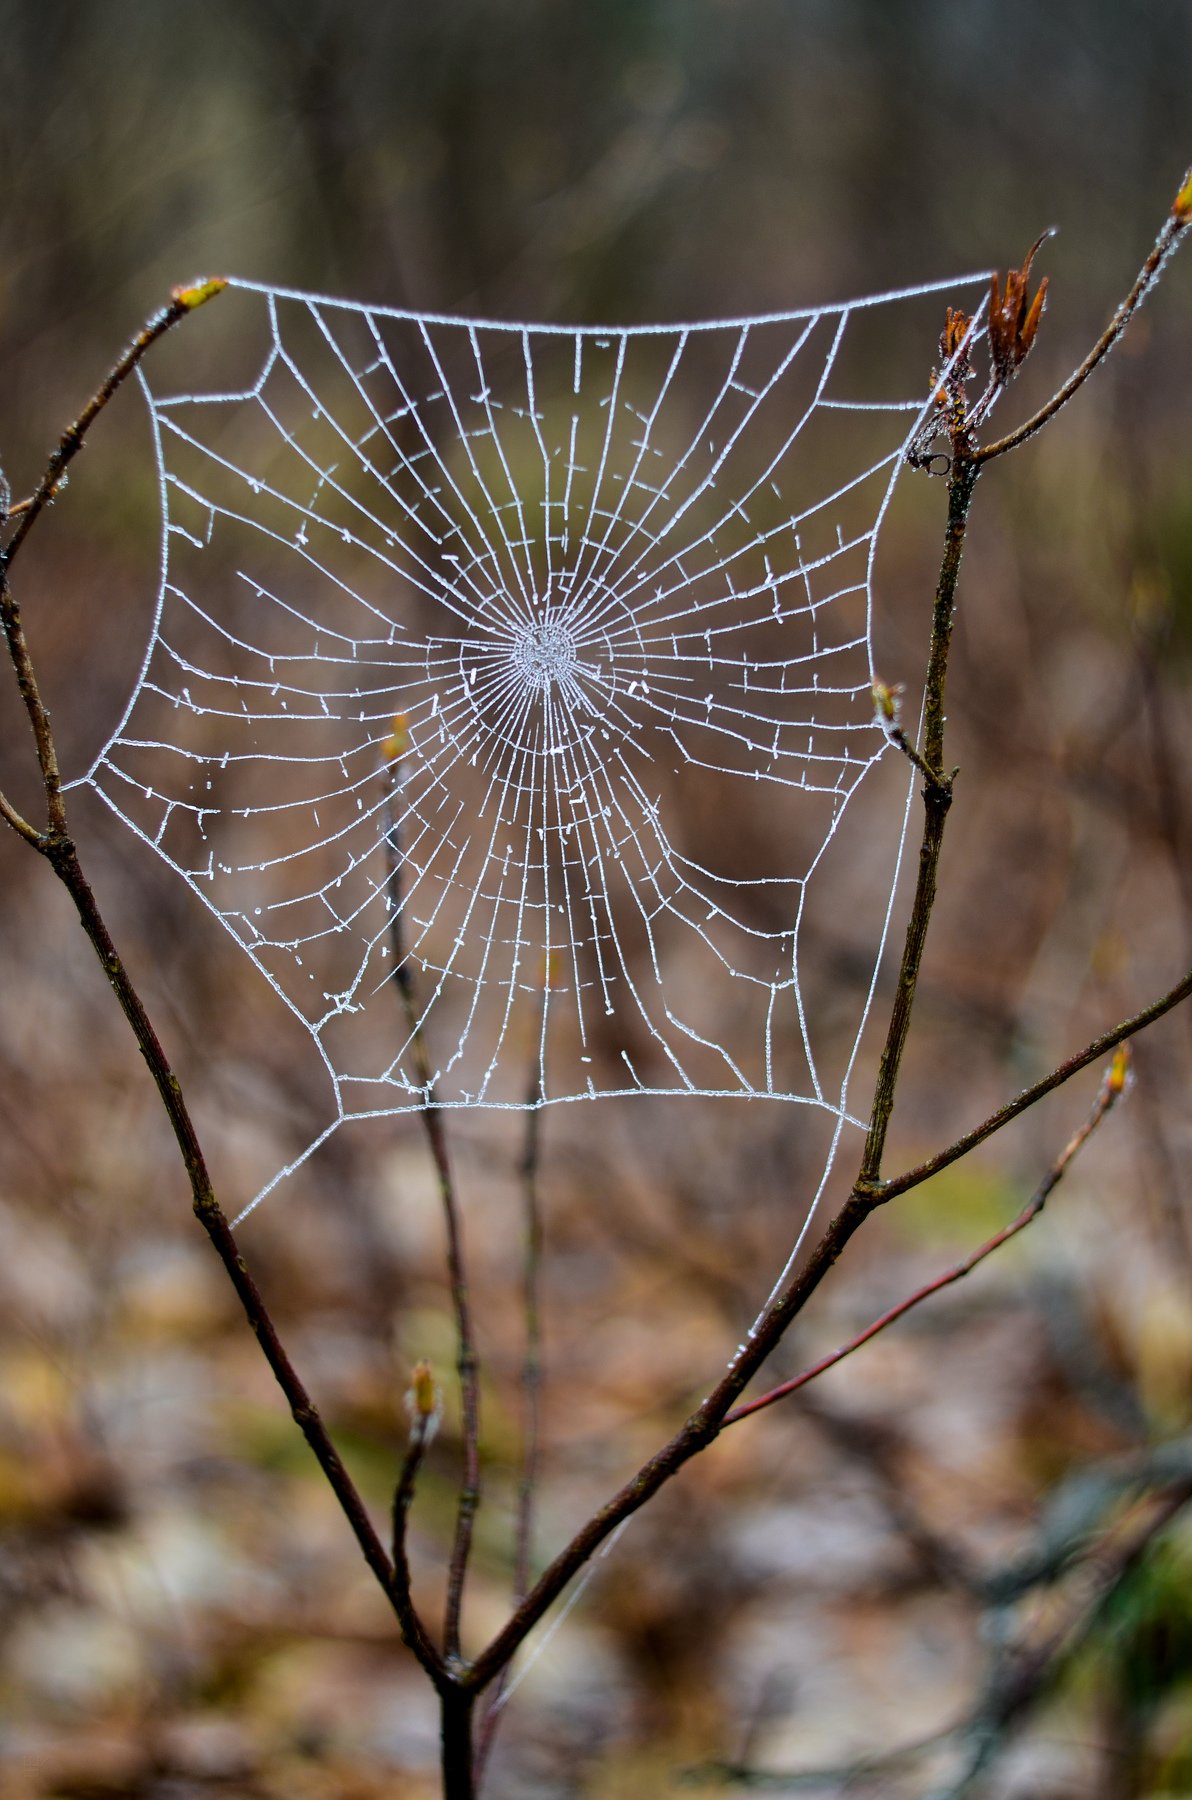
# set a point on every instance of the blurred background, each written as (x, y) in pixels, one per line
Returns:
(183, 1611)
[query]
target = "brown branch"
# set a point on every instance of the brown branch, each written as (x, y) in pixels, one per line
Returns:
(1112, 1087)
(403, 1496)
(424, 1407)
(60, 853)
(1169, 236)
(457, 1702)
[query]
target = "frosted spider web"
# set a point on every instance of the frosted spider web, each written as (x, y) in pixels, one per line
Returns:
(533, 661)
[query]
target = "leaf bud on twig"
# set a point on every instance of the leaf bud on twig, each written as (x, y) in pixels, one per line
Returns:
(424, 1404)
(887, 701)
(191, 294)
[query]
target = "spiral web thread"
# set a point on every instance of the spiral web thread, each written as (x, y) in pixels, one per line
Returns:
(480, 652)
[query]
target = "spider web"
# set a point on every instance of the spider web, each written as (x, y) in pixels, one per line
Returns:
(533, 663)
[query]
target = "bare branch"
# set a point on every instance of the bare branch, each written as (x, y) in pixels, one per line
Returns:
(39, 718)
(61, 854)
(424, 1405)
(937, 799)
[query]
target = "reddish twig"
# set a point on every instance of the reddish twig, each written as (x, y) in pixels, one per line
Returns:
(1111, 1089)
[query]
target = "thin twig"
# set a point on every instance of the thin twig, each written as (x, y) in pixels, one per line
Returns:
(937, 799)
(1111, 1089)
(183, 300)
(424, 1409)
(39, 719)
(1100, 1046)
(19, 824)
(403, 1495)
(899, 739)
(532, 1362)
(1172, 230)
(531, 1386)
(467, 1362)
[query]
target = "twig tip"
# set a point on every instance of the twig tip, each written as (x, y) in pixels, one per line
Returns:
(192, 294)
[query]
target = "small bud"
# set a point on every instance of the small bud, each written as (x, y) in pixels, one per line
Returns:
(398, 741)
(424, 1403)
(887, 701)
(1181, 206)
(1120, 1073)
(198, 292)
(956, 328)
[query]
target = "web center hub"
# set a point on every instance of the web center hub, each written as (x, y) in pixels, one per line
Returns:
(545, 653)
